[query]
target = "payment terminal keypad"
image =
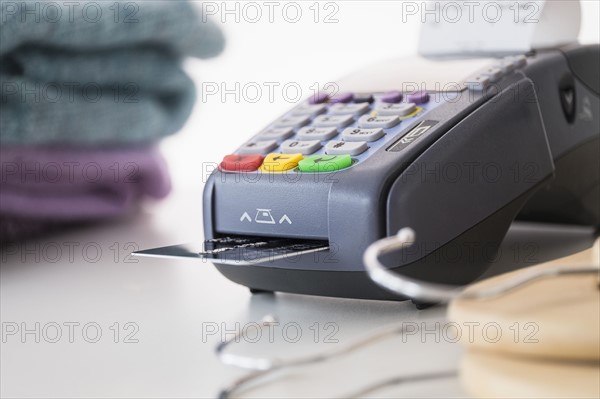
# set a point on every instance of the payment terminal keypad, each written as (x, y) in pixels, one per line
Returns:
(329, 133)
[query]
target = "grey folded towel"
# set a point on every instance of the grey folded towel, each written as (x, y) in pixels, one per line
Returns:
(98, 77)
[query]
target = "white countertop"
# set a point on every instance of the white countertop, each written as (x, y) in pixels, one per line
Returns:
(171, 303)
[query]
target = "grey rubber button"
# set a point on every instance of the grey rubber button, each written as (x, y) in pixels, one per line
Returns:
(381, 121)
(358, 134)
(346, 147)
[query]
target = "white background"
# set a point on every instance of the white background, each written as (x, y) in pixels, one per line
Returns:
(171, 301)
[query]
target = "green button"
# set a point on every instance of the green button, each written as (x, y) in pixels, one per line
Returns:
(324, 163)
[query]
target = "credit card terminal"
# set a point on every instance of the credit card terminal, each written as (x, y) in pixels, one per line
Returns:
(455, 150)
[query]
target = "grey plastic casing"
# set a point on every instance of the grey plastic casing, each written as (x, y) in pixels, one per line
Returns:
(459, 186)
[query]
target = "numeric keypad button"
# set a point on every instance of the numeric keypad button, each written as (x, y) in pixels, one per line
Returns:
(317, 133)
(292, 121)
(401, 109)
(349, 109)
(337, 121)
(378, 121)
(346, 147)
(300, 147)
(279, 133)
(258, 147)
(309, 110)
(358, 134)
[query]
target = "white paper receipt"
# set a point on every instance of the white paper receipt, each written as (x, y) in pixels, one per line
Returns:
(465, 28)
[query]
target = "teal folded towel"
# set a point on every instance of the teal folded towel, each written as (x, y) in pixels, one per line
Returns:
(85, 80)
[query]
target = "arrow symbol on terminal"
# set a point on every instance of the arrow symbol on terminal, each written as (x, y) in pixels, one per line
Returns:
(285, 218)
(245, 216)
(323, 159)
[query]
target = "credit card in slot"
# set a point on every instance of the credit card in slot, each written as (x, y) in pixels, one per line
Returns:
(239, 250)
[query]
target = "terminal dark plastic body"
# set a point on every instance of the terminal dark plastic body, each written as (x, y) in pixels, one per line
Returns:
(490, 158)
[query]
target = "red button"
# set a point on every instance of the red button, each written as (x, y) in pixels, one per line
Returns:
(241, 163)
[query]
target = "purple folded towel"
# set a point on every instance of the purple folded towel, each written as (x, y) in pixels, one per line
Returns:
(69, 185)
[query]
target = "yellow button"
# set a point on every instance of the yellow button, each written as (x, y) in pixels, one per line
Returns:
(280, 162)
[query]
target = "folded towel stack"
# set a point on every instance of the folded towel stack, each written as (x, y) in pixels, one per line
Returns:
(88, 88)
